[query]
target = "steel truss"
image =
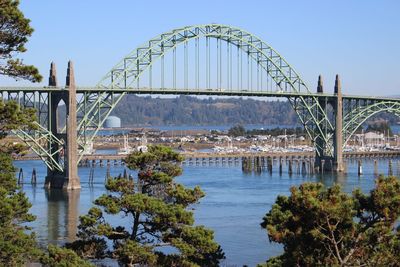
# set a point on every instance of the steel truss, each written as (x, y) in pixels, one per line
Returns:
(95, 107)
(359, 110)
(40, 140)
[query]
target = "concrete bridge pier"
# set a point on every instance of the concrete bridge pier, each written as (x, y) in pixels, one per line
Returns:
(338, 165)
(325, 162)
(68, 178)
(319, 143)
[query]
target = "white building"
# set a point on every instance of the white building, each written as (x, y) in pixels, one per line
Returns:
(374, 139)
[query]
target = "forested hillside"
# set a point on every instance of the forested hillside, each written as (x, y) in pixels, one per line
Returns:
(184, 110)
(135, 110)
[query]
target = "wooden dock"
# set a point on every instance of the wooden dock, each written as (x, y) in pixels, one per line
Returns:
(207, 155)
(295, 162)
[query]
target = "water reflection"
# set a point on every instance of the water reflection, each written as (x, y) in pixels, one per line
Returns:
(62, 214)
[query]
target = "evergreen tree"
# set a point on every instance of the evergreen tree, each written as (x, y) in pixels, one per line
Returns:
(237, 130)
(327, 227)
(17, 244)
(58, 257)
(155, 209)
(14, 33)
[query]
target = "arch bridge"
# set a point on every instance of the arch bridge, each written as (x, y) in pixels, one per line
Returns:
(207, 60)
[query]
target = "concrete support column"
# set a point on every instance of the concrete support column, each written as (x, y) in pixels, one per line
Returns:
(54, 177)
(338, 137)
(320, 143)
(71, 180)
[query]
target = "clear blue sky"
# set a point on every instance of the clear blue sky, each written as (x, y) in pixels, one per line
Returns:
(360, 40)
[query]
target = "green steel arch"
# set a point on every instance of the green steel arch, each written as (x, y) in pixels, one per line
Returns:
(125, 73)
(354, 119)
(96, 107)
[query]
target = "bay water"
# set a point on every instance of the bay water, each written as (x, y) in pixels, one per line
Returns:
(233, 207)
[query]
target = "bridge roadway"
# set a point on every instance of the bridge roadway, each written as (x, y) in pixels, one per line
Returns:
(205, 155)
(188, 91)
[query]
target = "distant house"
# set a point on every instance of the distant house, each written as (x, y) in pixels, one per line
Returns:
(373, 138)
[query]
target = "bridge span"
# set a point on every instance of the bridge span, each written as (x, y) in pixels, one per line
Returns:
(210, 59)
(207, 155)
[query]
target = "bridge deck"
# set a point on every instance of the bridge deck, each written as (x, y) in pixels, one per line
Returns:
(189, 91)
(201, 155)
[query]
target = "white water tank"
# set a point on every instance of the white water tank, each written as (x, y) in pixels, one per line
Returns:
(112, 122)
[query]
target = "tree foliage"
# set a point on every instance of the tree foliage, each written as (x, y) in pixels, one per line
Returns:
(186, 110)
(134, 110)
(14, 33)
(60, 257)
(17, 243)
(327, 227)
(157, 219)
(12, 117)
(237, 130)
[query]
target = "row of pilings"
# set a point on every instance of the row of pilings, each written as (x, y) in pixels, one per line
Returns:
(258, 164)
(250, 164)
(100, 162)
(306, 166)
